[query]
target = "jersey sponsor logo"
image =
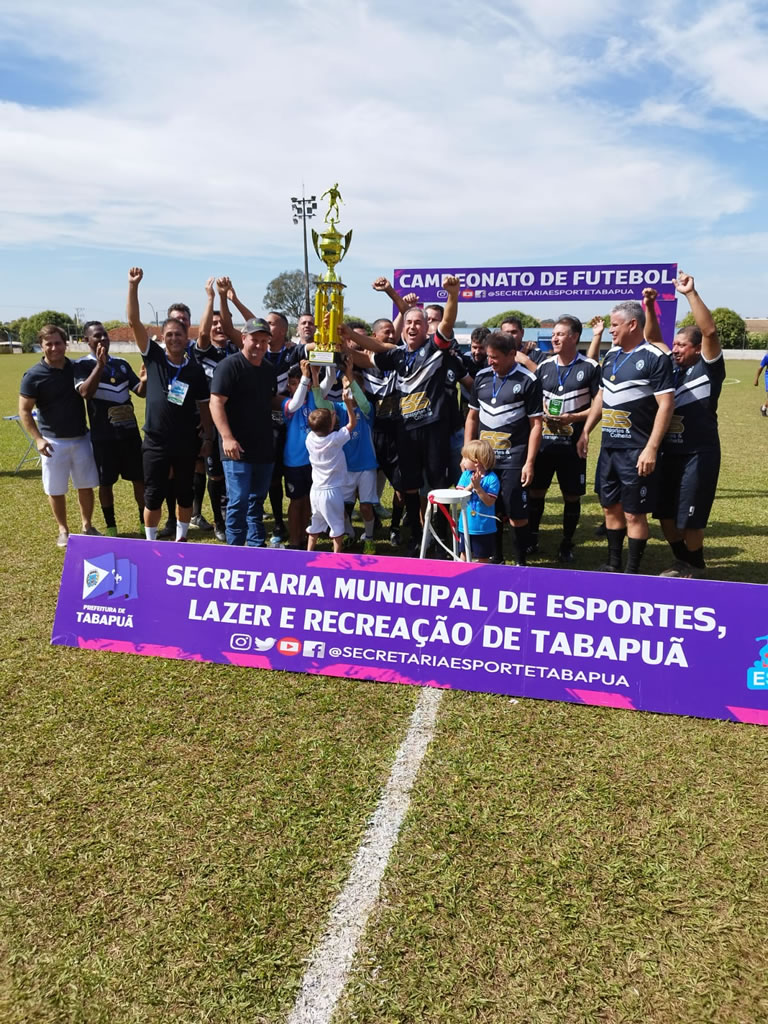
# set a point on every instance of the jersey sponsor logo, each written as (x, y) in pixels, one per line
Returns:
(616, 419)
(412, 404)
(676, 425)
(498, 441)
(557, 429)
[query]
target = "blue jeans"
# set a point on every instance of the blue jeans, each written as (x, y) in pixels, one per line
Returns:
(247, 487)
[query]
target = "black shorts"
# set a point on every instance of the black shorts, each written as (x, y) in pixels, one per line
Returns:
(620, 484)
(385, 447)
(513, 495)
(298, 481)
(119, 458)
(483, 544)
(423, 454)
(687, 488)
(157, 467)
(570, 468)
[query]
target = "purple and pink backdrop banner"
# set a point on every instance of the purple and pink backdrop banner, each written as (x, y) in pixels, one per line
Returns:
(606, 285)
(641, 643)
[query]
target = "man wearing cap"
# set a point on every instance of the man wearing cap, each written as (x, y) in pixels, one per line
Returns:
(243, 395)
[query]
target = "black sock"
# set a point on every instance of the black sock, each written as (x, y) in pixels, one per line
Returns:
(635, 549)
(276, 500)
(412, 510)
(397, 514)
(216, 493)
(108, 511)
(522, 540)
(571, 516)
(141, 512)
(198, 492)
(679, 550)
(615, 544)
(535, 512)
(170, 498)
(349, 508)
(696, 558)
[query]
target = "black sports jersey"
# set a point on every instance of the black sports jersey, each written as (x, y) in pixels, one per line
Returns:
(110, 410)
(281, 362)
(575, 385)
(630, 382)
(380, 386)
(421, 379)
(172, 425)
(60, 409)
(694, 421)
(209, 358)
(504, 405)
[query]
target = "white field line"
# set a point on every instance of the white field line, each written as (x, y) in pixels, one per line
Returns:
(731, 380)
(330, 963)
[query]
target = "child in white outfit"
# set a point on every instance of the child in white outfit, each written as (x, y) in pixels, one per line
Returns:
(329, 472)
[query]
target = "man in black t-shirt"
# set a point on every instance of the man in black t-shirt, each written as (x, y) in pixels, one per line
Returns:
(635, 403)
(690, 463)
(60, 433)
(505, 410)
(177, 394)
(569, 382)
(114, 431)
(243, 395)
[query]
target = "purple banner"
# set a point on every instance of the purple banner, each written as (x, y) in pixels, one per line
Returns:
(607, 284)
(640, 643)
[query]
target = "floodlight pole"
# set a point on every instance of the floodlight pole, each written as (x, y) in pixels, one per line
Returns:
(154, 311)
(304, 209)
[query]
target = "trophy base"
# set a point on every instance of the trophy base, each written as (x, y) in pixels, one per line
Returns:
(323, 357)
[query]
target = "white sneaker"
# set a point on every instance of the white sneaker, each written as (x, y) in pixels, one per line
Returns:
(62, 540)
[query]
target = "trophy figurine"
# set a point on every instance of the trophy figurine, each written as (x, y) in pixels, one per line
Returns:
(331, 247)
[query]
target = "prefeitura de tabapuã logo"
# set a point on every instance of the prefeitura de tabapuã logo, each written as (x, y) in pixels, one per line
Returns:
(757, 674)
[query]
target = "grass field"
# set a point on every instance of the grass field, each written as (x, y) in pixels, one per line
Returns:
(172, 834)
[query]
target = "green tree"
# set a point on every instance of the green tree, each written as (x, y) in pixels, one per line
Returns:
(286, 294)
(109, 325)
(525, 319)
(357, 323)
(32, 326)
(731, 329)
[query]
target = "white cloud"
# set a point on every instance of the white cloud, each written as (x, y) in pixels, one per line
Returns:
(469, 132)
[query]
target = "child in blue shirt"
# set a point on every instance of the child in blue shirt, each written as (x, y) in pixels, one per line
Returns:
(477, 462)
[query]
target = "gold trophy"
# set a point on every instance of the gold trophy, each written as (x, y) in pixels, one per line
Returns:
(331, 247)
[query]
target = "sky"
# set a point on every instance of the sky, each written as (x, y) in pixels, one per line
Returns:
(172, 136)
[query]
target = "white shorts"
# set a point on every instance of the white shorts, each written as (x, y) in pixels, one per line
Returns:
(362, 483)
(327, 510)
(72, 457)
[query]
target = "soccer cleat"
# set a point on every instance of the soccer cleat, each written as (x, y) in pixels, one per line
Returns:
(169, 530)
(565, 552)
(607, 567)
(91, 532)
(200, 523)
(763, 410)
(276, 541)
(369, 547)
(110, 531)
(62, 540)
(681, 570)
(394, 537)
(220, 533)
(280, 531)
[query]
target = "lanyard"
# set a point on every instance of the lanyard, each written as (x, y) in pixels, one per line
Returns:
(618, 365)
(178, 369)
(561, 380)
(496, 390)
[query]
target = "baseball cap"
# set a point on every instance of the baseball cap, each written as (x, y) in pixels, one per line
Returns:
(256, 326)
